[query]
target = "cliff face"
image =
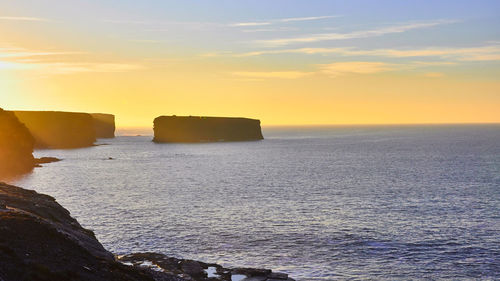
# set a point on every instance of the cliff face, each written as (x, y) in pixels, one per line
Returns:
(16, 146)
(205, 129)
(40, 241)
(104, 125)
(53, 129)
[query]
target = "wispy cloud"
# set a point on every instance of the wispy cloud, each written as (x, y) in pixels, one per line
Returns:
(150, 41)
(434, 74)
(22, 53)
(480, 53)
(160, 25)
(129, 21)
(213, 54)
(284, 20)
(355, 67)
(245, 24)
(269, 29)
(68, 68)
(272, 74)
(307, 18)
(333, 69)
(336, 69)
(22, 18)
(56, 62)
(352, 35)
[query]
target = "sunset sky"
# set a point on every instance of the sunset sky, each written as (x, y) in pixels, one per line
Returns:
(282, 61)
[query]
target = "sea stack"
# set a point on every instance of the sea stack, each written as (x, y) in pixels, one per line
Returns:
(55, 129)
(104, 125)
(16, 146)
(205, 129)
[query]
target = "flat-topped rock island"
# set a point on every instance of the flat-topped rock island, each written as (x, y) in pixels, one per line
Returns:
(205, 129)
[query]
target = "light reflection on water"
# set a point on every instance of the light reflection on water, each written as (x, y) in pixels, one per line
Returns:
(411, 202)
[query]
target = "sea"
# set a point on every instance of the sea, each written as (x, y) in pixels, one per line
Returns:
(409, 202)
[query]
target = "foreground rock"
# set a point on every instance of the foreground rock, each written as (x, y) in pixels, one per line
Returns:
(200, 271)
(16, 146)
(205, 129)
(54, 129)
(46, 160)
(39, 240)
(104, 125)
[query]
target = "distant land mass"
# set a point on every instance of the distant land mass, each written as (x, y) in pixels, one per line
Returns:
(56, 129)
(205, 129)
(104, 125)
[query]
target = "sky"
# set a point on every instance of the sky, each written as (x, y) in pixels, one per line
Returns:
(285, 62)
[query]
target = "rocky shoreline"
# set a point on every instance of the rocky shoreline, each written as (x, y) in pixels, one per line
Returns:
(200, 271)
(40, 241)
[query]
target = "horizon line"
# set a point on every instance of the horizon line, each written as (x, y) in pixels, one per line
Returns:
(348, 124)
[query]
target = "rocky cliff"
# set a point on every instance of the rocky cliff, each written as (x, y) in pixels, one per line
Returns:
(104, 125)
(54, 129)
(16, 146)
(39, 240)
(205, 129)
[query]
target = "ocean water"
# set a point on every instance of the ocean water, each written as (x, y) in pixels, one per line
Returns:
(320, 203)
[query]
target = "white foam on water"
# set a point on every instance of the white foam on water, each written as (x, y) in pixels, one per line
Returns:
(146, 263)
(238, 277)
(151, 266)
(211, 272)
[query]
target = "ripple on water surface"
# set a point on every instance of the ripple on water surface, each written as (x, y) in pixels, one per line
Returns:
(318, 203)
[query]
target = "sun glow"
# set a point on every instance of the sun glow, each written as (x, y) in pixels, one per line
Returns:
(284, 70)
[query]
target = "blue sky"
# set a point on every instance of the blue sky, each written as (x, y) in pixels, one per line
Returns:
(260, 32)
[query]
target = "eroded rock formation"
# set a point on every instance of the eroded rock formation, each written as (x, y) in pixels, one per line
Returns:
(16, 146)
(55, 129)
(104, 125)
(205, 129)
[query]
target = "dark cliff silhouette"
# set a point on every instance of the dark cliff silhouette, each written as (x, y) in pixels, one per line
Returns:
(205, 129)
(16, 146)
(104, 125)
(40, 241)
(55, 129)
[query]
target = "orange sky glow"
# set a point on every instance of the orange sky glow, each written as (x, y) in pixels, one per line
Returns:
(322, 67)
